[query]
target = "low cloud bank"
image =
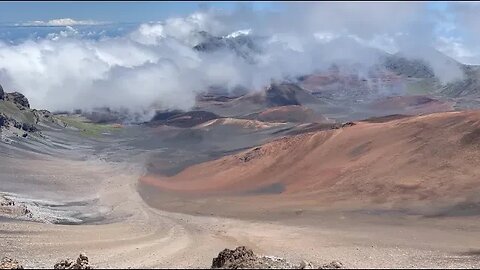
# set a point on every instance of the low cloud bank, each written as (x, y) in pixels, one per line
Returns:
(155, 66)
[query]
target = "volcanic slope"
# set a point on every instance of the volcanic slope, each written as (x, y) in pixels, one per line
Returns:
(423, 164)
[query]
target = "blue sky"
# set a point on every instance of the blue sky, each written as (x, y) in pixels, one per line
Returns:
(110, 11)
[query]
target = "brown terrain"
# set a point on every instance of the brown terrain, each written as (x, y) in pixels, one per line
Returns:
(414, 105)
(290, 113)
(389, 191)
(425, 164)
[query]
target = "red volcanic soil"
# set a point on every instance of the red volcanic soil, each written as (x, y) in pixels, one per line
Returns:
(292, 113)
(412, 104)
(408, 161)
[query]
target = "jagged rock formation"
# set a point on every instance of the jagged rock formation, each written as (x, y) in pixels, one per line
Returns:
(18, 119)
(2, 93)
(18, 99)
(7, 122)
(80, 263)
(244, 258)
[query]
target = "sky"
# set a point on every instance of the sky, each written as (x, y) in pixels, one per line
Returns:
(134, 11)
(140, 55)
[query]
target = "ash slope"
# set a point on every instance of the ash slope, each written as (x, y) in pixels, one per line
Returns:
(423, 165)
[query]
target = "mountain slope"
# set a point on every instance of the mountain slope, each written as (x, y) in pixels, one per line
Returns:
(414, 162)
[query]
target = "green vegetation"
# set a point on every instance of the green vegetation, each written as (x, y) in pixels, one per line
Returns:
(86, 127)
(9, 108)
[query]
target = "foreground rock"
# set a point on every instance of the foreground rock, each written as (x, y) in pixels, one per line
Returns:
(8, 263)
(244, 258)
(80, 263)
(332, 265)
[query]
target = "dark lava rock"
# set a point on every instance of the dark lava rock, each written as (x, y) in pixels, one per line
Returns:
(80, 263)
(244, 258)
(29, 127)
(255, 153)
(241, 257)
(183, 120)
(382, 119)
(161, 116)
(282, 95)
(348, 124)
(343, 125)
(18, 99)
(17, 124)
(3, 120)
(9, 263)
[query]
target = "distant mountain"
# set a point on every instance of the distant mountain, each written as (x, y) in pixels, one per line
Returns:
(242, 44)
(416, 68)
(468, 87)
(284, 94)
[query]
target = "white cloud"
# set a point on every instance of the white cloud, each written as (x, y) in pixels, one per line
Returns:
(455, 48)
(61, 22)
(155, 64)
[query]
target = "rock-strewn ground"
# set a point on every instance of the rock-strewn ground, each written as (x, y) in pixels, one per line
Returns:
(244, 258)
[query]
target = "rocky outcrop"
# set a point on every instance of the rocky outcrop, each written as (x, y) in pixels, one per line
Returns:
(18, 99)
(9, 263)
(80, 263)
(241, 257)
(10, 209)
(3, 120)
(7, 122)
(2, 93)
(244, 258)
(332, 265)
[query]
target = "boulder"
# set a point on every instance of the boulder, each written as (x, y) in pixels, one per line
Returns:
(241, 257)
(9, 263)
(2, 93)
(80, 263)
(29, 127)
(332, 265)
(244, 258)
(3, 120)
